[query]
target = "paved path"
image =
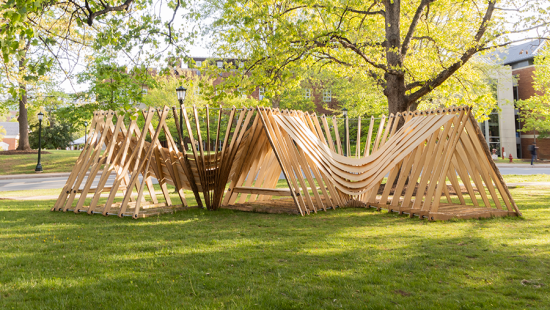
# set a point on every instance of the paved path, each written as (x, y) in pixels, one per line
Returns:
(525, 170)
(57, 180)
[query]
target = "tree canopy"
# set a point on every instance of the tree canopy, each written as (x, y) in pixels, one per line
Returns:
(535, 111)
(408, 48)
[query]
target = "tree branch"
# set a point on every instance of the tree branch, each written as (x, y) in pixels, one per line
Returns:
(412, 27)
(445, 74)
(106, 9)
(346, 43)
(414, 85)
(171, 21)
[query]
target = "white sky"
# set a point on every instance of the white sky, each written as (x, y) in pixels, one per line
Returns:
(199, 49)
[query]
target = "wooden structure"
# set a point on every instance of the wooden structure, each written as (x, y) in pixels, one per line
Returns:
(416, 170)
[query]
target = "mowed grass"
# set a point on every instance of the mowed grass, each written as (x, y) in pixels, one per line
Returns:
(57, 161)
(339, 259)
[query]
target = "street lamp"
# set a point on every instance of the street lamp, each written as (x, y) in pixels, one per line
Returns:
(345, 111)
(38, 165)
(85, 133)
(181, 92)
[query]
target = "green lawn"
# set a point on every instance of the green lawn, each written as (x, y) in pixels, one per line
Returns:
(340, 259)
(57, 161)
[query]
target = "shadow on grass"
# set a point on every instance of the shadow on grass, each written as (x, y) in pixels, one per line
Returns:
(347, 258)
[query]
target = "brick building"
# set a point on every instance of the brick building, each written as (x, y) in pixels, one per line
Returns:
(518, 63)
(11, 138)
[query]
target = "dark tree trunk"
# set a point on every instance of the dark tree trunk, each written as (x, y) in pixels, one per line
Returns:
(395, 77)
(395, 92)
(24, 144)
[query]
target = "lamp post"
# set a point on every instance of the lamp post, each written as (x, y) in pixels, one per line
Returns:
(39, 165)
(345, 111)
(85, 133)
(181, 92)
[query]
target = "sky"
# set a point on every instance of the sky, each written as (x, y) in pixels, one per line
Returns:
(199, 49)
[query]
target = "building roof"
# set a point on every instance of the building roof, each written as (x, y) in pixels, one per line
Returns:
(521, 52)
(12, 128)
(81, 140)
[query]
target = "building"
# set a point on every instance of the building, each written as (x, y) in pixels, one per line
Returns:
(12, 134)
(514, 82)
(9, 116)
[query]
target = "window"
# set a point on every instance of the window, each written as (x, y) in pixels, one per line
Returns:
(241, 65)
(144, 91)
(219, 63)
(198, 91)
(327, 95)
(198, 63)
(261, 92)
(307, 93)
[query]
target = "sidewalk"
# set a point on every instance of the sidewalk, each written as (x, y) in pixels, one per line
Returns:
(527, 165)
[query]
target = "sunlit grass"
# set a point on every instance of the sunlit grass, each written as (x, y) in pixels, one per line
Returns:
(57, 161)
(340, 259)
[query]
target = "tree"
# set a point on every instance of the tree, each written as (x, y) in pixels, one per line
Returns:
(355, 93)
(40, 35)
(163, 89)
(2, 134)
(55, 134)
(408, 48)
(535, 111)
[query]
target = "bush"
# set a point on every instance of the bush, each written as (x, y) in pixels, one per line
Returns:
(55, 135)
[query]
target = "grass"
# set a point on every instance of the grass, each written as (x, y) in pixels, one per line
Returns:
(57, 161)
(515, 178)
(340, 259)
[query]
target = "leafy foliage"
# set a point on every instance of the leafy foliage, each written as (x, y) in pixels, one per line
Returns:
(535, 111)
(2, 134)
(54, 136)
(406, 48)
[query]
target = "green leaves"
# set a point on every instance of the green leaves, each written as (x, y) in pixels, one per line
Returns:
(535, 111)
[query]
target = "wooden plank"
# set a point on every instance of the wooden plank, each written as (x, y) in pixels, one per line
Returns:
(337, 135)
(358, 146)
(184, 161)
(379, 133)
(279, 153)
(369, 137)
(263, 191)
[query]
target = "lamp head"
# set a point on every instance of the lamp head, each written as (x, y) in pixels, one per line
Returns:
(181, 91)
(40, 116)
(345, 111)
(85, 123)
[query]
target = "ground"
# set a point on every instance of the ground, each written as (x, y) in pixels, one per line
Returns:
(55, 161)
(339, 259)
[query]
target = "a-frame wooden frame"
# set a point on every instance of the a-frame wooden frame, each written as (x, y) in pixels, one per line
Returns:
(415, 168)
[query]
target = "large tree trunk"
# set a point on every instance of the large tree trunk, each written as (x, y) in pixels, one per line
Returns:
(395, 80)
(23, 120)
(23, 123)
(395, 92)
